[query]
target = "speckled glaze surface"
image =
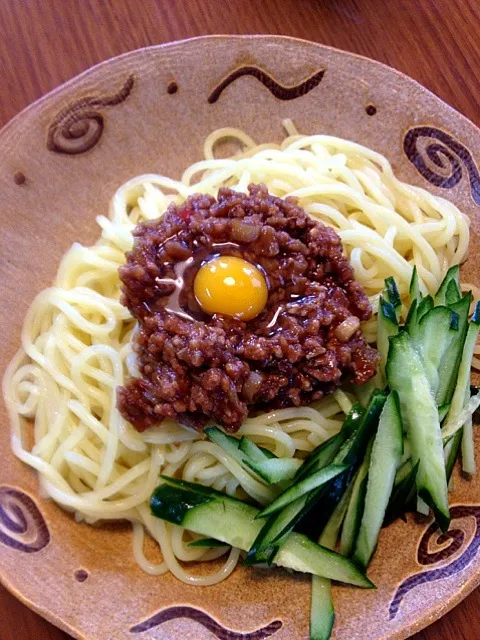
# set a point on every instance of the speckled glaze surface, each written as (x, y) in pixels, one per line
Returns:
(149, 111)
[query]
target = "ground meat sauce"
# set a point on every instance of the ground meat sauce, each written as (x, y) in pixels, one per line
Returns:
(197, 368)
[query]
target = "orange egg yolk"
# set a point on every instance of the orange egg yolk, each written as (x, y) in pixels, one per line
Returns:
(231, 286)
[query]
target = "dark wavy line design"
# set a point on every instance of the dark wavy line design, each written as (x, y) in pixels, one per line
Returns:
(444, 152)
(206, 621)
(79, 127)
(22, 526)
(424, 557)
(278, 90)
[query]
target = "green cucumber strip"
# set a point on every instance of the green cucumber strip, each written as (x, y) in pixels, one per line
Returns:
(253, 452)
(386, 454)
(269, 468)
(461, 395)
(425, 305)
(443, 410)
(449, 366)
(275, 470)
(406, 375)
(314, 481)
(451, 451)
(453, 293)
(322, 612)
(414, 288)
(403, 471)
(402, 496)
(468, 448)
(323, 455)
(350, 453)
(411, 321)
(353, 515)
(392, 296)
(209, 543)
(210, 513)
(387, 326)
(452, 274)
(432, 338)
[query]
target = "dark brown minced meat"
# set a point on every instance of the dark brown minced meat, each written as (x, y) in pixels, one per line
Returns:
(197, 368)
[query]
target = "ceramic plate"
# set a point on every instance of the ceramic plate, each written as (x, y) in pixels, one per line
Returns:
(149, 112)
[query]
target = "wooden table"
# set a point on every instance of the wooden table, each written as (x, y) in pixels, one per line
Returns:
(45, 42)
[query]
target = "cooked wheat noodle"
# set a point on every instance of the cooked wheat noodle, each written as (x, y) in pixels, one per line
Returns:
(76, 339)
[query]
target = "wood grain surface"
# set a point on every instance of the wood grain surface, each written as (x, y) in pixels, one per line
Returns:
(45, 42)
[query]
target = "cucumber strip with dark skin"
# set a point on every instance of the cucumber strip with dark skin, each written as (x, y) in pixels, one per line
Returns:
(387, 326)
(351, 453)
(442, 411)
(386, 454)
(411, 321)
(452, 274)
(403, 471)
(209, 543)
(406, 374)
(275, 470)
(432, 337)
(322, 612)
(253, 451)
(453, 293)
(353, 516)
(392, 296)
(450, 364)
(414, 288)
(425, 305)
(314, 481)
(461, 395)
(451, 451)
(323, 455)
(209, 512)
(403, 496)
(269, 468)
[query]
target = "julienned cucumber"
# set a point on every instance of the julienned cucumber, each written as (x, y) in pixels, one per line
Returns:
(265, 465)
(392, 296)
(386, 453)
(353, 515)
(461, 395)
(314, 481)
(323, 455)
(406, 375)
(452, 275)
(448, 369)
(387, 326)
(432, 338)
(211, 513)
(359, 425)
(322, 612)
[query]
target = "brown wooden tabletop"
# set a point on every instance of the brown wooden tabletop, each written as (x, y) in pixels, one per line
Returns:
(45, 42)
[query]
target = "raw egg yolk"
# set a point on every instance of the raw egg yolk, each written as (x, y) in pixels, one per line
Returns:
(231, 286)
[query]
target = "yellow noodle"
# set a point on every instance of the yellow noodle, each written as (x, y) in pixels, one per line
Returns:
(76, 340)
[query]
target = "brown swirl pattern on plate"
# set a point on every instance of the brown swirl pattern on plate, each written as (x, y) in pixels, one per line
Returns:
(172, 613)
(442, 159)
(280, 91)
(79, 127)
(424, 557)
(22, 526)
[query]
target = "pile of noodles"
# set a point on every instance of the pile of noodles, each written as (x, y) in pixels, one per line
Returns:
(76, 340)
